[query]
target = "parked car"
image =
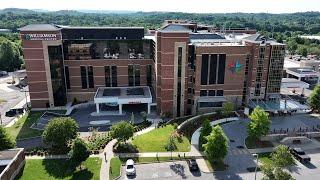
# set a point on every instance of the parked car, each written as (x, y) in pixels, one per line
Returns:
(130, 169)
(14, 112)
(192, 164)
(300, 155)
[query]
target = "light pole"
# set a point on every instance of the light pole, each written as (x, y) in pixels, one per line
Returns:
(25, 94)
(255, 172)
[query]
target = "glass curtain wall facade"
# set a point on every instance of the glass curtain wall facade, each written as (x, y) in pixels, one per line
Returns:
(57, 75)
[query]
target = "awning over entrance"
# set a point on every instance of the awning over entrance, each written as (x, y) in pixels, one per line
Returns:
(117, 96)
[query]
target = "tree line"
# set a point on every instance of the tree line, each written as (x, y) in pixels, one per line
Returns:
(282, 27)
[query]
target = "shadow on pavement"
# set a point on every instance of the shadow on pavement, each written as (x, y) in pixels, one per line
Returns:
(310, 165)
(196, 173)
(178, 169)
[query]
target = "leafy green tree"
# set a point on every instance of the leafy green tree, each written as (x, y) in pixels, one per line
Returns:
(227, 109)
(122, 131)
(280, 174)
(171, 145)
(79, 152)
(10, 55)
(5, 140)
(217, 146)
(302, 51)
(282, 157)
(204, 132)
(292, 46)
(59, 133)
(259, 124)
(132, 118)
(314, 99)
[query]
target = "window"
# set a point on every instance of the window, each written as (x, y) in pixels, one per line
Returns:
(222, 64)
(204, 69)
(213, 69)
(210, 104)
(189, 101)
(83, 70)
(203, 93)
(107, 77)
(134, 75)
(90, 77)
(137, 75)
(114, 76)
(149, 75)
(130, 75)
(179, 88)
(219, 92)
(66, 69)
(212, 93)
(189, 90)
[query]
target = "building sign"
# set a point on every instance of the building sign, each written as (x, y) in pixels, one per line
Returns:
(41, 37)
(134, 102)
(235, 67)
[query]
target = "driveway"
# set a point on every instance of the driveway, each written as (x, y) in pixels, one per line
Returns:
(167, 170)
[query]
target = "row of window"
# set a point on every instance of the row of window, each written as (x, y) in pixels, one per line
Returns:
(110, 73)
(211, 92)
(210, 104)
(213, 68)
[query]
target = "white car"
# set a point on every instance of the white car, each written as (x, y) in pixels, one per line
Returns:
(130, 169)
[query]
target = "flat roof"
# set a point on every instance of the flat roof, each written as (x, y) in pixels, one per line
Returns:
(303, 71)
(39, 27)
(123, 95)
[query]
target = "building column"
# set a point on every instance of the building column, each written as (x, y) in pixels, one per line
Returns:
(120, 108)
(149, 108)
(97, 108)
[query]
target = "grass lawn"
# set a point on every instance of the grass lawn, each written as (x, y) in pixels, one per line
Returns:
(60, 169)
(265, 158)
(155, 141)
(21, 129)
(115, 168)
(252, 144)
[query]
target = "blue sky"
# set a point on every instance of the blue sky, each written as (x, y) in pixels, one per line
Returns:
(199, 6)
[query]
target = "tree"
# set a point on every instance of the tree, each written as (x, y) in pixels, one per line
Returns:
(280, 174)
(171, 145)
(282, 157)
(5, 141)
(314, 99)
(122, 131)
(302, 51)
(10, 55)
(59, 132)
(292, 46)
(79, 152)
(144, 116)
(227, 109)
(259, 124)
(217, 146)
(204, 132)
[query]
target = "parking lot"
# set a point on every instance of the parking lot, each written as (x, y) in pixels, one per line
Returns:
(167, 170)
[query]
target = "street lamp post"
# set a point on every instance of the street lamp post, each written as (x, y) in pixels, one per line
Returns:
(255, 172)
(25, 94)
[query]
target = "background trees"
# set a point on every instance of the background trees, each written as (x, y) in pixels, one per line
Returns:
(59, 132)
(314, 99)
(5, 141)
(259, 123)
(216, 147)
(10, 55)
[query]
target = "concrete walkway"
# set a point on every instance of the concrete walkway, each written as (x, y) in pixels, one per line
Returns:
(105, 165)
